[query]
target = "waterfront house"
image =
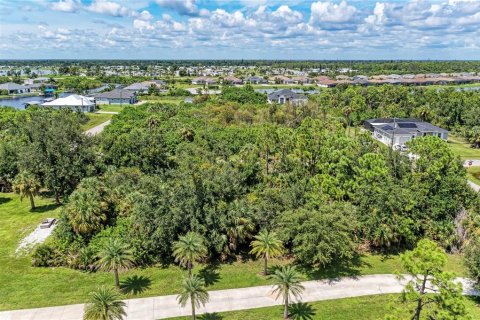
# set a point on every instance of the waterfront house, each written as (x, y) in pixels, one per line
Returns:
(74, 102)
(13, 88)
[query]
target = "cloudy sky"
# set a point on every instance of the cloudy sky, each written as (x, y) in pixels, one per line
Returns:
(248, 29)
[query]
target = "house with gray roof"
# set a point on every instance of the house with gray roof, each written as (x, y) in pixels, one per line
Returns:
(255, 80)
(287, 96)
(398, 131)
(13, 88)
(116, 96)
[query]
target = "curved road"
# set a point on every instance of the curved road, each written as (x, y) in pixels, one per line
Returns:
(233, 299)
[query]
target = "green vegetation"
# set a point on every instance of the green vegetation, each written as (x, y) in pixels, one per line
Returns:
(359, 308)
(473, 174)
(94, 119)
(162, 99)
(112, 107)
(225, 168)
(193, 291)
(462, 148)
(104, 304)
(425, 264)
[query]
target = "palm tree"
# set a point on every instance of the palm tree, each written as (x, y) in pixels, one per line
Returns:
(193, 289)
(104, 304)
(189, 248)
(287, 283)
(115, 256)
(86, 211)
(26, 185)
(266, 245)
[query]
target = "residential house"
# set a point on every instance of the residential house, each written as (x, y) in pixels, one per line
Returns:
(255, 80)
(398, 131)
(232, 80)
(287, 96)
(144, 86)
(74, 102)
(204, 81)
(116, 96)
(13, 88)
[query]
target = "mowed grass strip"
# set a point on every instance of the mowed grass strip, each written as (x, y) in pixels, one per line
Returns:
(473, 174)
(24, 286)
(95, 119)
(359, 308)
(462, 148)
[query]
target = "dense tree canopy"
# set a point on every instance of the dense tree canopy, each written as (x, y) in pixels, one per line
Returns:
(231, 166)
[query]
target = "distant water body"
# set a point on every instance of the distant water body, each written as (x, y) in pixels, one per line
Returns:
(19, 103)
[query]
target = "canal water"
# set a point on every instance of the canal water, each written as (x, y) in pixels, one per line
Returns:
(19, 103)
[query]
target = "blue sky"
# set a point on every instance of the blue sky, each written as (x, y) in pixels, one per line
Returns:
(241, 29)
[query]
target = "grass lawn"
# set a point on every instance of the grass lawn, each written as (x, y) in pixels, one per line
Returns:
(24, 286)
(112, 107)
(461, 148)
(359, 308)
(95, 120)
(473, 174)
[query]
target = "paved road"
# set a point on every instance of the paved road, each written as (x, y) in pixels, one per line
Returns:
(474, 186)
(96, 130)
(234, 299)
(475, 163)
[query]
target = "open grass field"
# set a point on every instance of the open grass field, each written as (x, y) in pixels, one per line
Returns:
(359, 308)
(24, 286)
(95, 120)
(461, 148)
(473, 174)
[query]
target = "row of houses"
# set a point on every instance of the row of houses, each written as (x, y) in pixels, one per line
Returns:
(14, 88)
(325, 81)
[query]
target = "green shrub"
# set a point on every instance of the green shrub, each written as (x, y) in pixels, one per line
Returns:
(44, 256)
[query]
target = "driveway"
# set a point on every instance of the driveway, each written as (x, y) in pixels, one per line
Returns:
(233, 299)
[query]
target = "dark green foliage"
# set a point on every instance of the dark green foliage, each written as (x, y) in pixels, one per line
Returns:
(51, 145)
(44, 256)
(309, 231)
(244, 94)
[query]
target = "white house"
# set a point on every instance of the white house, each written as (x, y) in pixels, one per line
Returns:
(75, 102)
(398, 131)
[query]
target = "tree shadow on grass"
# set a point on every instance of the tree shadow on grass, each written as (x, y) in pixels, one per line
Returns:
(209, 274)
(210, 316)
(45, 208)
(335, 271)
(135, 284)
(301, 311)
(5, 200)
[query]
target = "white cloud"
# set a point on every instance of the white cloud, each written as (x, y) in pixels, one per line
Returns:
(109, 8)
(183, 7)
(145, 15)
(331, 12)
(142, 25)
(66, 6)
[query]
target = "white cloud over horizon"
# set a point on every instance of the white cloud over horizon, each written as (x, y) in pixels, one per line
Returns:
(223, 29)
